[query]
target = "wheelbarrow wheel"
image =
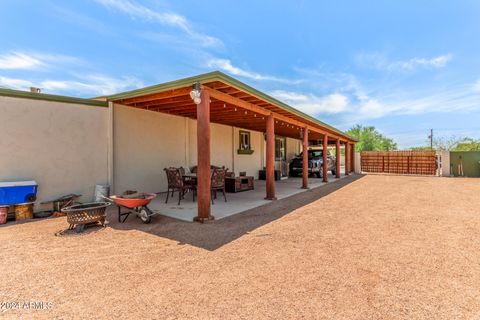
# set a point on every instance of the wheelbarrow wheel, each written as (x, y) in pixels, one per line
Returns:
(144, 215)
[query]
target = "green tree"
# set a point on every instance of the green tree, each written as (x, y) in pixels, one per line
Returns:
(467, 144)
(369, 139)
(420, 148)
(452, 143)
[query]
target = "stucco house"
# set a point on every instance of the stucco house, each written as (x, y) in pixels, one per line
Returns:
(125, 140)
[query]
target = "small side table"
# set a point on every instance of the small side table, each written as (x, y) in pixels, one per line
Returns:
(237, 184)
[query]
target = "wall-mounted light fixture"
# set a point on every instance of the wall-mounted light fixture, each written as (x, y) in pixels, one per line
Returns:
(301, 133)
(195, 93)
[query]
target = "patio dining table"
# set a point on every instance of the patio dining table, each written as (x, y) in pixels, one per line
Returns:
(190, 178)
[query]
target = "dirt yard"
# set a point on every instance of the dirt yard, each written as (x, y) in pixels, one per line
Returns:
(366, 248)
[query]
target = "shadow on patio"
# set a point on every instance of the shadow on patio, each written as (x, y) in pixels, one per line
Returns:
(212, 236)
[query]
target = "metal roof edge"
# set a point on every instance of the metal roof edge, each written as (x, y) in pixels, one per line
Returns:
(220, 76)
(283, 105)
(50, 97)
(210, 76)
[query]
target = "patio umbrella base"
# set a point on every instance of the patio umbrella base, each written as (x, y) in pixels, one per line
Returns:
(204, 220)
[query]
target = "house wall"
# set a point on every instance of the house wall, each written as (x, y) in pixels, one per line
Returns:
(444, 163)
(146, 142)
(469, 160)
(294, 147)
(221, 144)
(62, 146)
(358, 163)
(250, 163)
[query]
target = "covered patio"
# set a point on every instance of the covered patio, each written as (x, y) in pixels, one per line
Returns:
(217, 98)
(236, 202)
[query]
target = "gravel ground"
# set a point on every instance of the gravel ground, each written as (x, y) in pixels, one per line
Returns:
(366, 247)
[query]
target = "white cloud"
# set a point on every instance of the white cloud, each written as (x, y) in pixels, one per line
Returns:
(455, 100)
(435, 62)
(17, 60)
(312, 104)
(34, 61)
(476, 86)
(12, 83)
(353, 102)
(381, 62)
(289, 96)
(86, 85)
(379, 99)
(226, 65)
(166, 18)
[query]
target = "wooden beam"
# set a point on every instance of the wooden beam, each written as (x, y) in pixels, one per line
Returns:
(167, 101)
(158, 95)
(235, 101)
(259, 106)
(259, 110)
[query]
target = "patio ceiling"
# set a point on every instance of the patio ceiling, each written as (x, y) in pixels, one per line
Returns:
(232, 103)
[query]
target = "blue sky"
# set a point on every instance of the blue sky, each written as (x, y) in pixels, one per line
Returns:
(402, 66)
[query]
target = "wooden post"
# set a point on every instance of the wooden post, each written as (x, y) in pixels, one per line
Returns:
(337, 158)
(270, 161)
(325, 158)
(347, 159)
(305, 159)
(203, 159)
(352, 162)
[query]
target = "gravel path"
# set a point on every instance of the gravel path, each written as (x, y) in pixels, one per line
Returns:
(366, 247)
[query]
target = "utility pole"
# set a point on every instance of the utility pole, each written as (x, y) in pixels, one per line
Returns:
(431, 139)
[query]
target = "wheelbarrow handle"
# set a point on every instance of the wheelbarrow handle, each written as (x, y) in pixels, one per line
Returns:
(106, 198)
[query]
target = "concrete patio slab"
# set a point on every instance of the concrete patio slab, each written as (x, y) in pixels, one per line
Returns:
(236, 202)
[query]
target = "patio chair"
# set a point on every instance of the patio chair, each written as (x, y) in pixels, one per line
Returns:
(187, 179)
(176, 183)
(218, 183)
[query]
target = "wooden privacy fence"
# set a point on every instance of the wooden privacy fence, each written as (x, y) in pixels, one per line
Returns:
(400, 162)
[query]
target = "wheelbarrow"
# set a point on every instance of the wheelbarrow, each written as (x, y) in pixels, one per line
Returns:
(138, 206)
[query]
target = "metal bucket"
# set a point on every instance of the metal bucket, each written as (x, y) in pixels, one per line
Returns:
(24, 211)
(101, 191)
(3, 214)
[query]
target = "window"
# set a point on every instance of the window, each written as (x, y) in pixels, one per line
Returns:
(280, 148)
(315, 154)
(244, 141)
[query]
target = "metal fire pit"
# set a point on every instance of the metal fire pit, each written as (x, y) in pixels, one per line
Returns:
(79, 215)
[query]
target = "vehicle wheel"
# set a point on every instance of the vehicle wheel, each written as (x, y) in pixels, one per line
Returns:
(318, 174)
(144, 215)
(334, 172)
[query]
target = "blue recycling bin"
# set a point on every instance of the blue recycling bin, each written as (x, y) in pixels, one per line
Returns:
(17, 192)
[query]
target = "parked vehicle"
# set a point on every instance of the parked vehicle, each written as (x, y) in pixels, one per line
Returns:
(315, 164)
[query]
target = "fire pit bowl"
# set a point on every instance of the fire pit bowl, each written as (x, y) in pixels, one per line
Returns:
(79, 215)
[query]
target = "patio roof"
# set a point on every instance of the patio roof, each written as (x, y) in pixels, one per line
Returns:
(232, 103)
